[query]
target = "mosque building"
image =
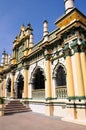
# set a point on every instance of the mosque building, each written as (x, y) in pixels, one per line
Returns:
(51, 74)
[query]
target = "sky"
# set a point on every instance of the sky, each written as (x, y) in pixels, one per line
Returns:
(14, 13)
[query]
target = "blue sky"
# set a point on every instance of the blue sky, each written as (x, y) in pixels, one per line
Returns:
(14, 13)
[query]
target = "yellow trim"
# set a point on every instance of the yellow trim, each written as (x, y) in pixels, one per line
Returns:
(75, 16)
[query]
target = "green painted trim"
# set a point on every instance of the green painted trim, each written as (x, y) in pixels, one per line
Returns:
(1, 100)
(27, 98)
(55, 103)
(74, 43)
(66, 47)
(77, 98)
(50, 98)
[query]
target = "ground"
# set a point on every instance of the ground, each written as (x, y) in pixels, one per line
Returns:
(34, 121)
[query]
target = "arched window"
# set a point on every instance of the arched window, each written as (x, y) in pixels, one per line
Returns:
(8, 84)
(60, 76)
(38, 79)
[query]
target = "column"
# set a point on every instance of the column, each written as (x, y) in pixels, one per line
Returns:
(26, 82)
(70, 82)
(0, 87)
(49, 105)
(30, 90)
(83, 65)
(4, 86)
(48, 79)
(53, 88)
(12, 85)
(80, 70)
(79, 73)
(70, 86)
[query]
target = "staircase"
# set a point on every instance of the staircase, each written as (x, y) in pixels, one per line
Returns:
(15, 106)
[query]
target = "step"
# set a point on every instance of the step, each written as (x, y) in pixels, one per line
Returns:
(15, 107)
(17, 111)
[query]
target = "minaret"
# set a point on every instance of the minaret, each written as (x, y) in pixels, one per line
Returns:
(31, 41)
(3, 57)
(69, 5)
(45, 30)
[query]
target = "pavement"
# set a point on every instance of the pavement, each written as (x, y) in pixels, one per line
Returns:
(34, 121)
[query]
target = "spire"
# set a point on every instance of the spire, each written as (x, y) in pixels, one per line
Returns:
(69, 5)
(31, 41)
(45, 30)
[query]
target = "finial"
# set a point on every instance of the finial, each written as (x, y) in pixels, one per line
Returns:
(69, 5)
(22, 27)
(45, 28)
(29, 26)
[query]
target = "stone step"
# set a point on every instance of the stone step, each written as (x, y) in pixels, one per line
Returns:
(15, 107)
(16, 111)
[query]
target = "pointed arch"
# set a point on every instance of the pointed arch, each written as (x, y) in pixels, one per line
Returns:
(8, 84)
(60, 75)
(38, 78)
(19, 85)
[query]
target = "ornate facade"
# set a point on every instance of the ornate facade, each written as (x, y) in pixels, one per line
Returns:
(50, 75)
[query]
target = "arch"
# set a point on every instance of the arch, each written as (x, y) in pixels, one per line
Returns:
(19, 85)
(8, 85)
(60, 75)
(38, 78)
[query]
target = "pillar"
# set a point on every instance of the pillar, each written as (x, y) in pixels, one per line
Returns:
(12, 85)
(70, 86)
(4, 86)
(49, 105)
(79, 74)
(48, 79)
(54, 88)
(70, 82)
(30, 90)
(0, 88)
(83, 66)
(26, 82)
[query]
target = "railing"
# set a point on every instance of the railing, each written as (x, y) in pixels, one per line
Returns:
(38, 94)
(61, 92)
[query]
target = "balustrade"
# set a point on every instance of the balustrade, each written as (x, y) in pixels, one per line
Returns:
(61, 92)
(38, 94)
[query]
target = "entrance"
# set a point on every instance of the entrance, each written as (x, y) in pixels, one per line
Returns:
(8, 86)
(19, 86)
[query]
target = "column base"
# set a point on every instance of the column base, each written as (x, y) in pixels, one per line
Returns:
(49, 109)
(1, 110)
(81, 109)
(71, 110)
(76, 109)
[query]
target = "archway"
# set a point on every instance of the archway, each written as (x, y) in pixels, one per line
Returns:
(8, 86)
(59, 80)
(19, 85)
(38, 80)
(60, 76)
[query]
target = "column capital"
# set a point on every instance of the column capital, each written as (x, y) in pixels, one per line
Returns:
(82, 48)
(4, 76)
(13, 72)
(48, 56)
(26, 67)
